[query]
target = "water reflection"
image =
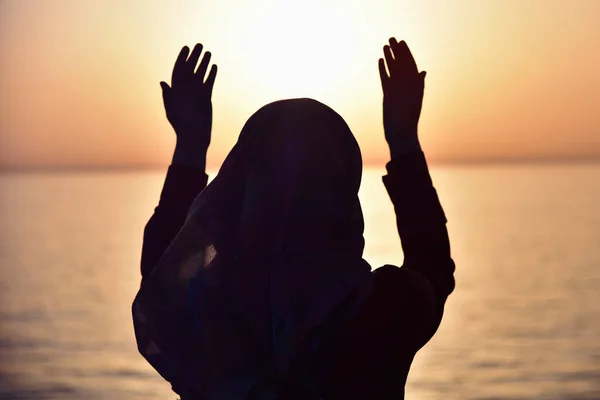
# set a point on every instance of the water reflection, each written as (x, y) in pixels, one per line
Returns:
(522, 324)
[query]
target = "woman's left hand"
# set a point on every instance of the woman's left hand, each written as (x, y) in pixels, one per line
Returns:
(188, 105)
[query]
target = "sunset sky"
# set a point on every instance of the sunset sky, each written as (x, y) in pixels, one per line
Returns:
(506, 79)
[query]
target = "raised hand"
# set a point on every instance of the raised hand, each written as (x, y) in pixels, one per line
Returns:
(188, 105)
(402, 98)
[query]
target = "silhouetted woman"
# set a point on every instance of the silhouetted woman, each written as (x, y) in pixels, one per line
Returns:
(254, 287)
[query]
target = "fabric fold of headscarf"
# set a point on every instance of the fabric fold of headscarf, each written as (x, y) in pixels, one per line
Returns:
(269, 258)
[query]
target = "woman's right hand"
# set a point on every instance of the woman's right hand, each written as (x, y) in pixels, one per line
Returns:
(188, 105)
(402, 98)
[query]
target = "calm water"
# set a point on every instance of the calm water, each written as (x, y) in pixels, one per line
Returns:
(523, 323)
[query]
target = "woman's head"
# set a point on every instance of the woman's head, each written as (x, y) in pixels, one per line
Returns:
(301, 135)
(301, 167)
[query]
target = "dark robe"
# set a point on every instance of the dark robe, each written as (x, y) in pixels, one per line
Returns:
(369, 356)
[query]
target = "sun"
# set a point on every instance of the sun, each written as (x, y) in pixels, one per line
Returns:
(295, 49)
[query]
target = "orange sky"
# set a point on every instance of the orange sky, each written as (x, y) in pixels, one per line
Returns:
(79, 80)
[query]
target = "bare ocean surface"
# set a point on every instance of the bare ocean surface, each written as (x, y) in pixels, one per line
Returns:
(523, 323)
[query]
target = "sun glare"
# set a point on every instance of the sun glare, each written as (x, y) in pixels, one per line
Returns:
(296, 49)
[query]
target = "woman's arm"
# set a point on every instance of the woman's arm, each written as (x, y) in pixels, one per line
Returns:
(189, 110)
(420, 218)
(421, 224)
(182, 185)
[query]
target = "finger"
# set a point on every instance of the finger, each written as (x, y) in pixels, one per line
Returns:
(405, 58)
(397, 53)
(394, 45)
(210, 81)
(179, 65)
(422, 75)
(383, 74)
(201, 72)
(389, 59)
(165, 91)
(190, 65)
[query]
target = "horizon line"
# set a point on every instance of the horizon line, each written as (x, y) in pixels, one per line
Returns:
(434, 163)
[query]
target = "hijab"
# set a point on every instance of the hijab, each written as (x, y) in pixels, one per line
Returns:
(268, 261)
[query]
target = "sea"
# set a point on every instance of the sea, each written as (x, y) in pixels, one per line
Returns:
(523, 322)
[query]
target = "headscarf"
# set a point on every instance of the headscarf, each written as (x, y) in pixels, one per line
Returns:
(268, 261)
